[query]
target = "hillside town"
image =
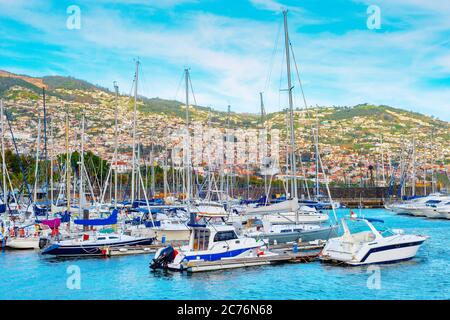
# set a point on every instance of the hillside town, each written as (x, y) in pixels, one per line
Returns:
(361, 148)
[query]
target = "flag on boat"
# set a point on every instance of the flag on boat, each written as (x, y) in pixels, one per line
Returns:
(353, 214)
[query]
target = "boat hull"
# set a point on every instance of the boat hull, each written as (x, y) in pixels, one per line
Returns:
(173, 235)
(323, 233)
(31, 243)
(375, 255)
(90, 249)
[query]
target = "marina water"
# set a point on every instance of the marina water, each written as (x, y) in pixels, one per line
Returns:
(26, 275)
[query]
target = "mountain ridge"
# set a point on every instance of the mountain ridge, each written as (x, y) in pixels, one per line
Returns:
(156, 104)
(345, 131)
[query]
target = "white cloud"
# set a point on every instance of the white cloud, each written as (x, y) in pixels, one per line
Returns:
(269, 5)
(230, 57)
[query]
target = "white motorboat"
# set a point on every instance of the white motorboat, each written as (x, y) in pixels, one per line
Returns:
(444, 211)
(369, 245)
(437, 210)
(416, 206)
(208, 242)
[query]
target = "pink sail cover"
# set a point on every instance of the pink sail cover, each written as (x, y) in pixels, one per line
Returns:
(54, 223)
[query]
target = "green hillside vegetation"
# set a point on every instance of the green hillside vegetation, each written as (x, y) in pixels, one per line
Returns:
(70, 83)
(81, 93)
(7, 83)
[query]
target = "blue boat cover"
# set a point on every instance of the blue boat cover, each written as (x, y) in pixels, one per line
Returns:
(149, 224)
(112, 219)
(152, 202)
(374, 220)
(65, 217)
(40, 211)
(2, 208)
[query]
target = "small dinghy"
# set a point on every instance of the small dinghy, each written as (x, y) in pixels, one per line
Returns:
(369, 245)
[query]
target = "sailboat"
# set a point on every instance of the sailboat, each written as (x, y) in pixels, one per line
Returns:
(23, 233)
(167, 228)
(289, 231)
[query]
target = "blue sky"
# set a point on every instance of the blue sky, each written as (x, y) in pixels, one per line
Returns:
(235, 49)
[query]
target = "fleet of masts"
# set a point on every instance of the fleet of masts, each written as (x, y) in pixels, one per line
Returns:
(186, 211)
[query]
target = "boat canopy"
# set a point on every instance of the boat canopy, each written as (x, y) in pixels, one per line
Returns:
(112, 219)
(281, 207)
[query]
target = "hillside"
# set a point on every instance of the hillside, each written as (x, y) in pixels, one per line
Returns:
(357, 130)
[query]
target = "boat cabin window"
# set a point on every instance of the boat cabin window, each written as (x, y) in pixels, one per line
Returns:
(201, 239)
(386, 233)
(225, 236)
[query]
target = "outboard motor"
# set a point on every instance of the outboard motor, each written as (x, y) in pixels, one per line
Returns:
(163, 257)
(42, 242)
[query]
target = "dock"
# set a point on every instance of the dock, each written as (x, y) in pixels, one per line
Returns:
(132, 250)
(302, 246)
(299, 257)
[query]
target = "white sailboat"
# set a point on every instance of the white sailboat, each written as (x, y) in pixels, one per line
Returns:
(295, 229)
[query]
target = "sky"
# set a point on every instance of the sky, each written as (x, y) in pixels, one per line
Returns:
(235, 49)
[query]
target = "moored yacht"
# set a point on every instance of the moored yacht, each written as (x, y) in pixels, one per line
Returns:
(369, 245)
(290, 232)
(208, 242)
(92, 244)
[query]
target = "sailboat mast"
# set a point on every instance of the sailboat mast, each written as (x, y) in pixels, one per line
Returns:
(116, 88)
(51, 163)
(413, 176)
(45, 144)
(5, 196)
(316, 146)
(263, 111)
(152, 171)
(188, 147)
(263, 126)
(133, 161)
(81, 187)
(382, 163)
(291, 109)
(36, 168)
(68, 165)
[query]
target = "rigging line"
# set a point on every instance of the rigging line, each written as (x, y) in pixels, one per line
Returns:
(179, 86)
(192, 90)
(279, 85)
(272, 59)
(298, 75)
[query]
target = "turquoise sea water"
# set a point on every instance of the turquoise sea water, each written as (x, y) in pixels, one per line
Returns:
(26, 275)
